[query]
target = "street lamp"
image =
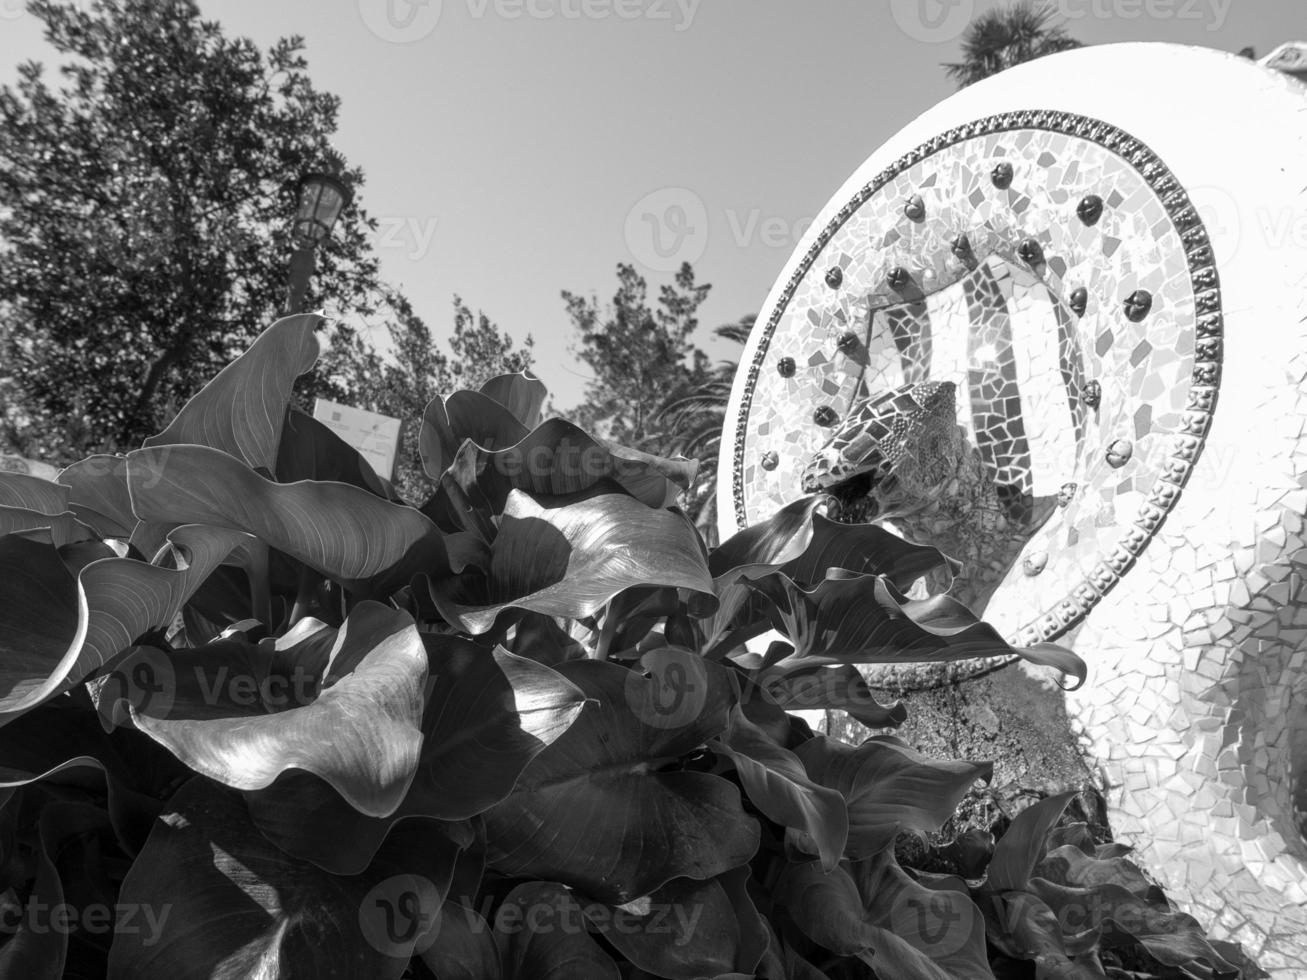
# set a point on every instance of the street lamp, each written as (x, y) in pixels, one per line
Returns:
(322, 198)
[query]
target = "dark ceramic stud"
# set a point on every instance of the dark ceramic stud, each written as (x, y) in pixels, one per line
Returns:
(915, 208)
(1119, 453)
(1066, 494)
(1092, 396)
(1030, 251)
(898, 278)
(1090, 209)
(1001, 175)
(825, 416)
(1079, 300)
(786, 367)
(770, 460)
(834, 276)
(1137, 305)
(962, 246)
(848, 342)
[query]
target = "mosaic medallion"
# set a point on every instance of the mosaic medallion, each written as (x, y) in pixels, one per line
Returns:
(1053, 268)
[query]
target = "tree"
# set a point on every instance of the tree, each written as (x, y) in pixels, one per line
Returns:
(694, 422)
(354, 372)
(1005, 36)
(641, 355)
(144, 217)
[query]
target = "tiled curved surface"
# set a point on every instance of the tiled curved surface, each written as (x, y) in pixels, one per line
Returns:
(1185, 601)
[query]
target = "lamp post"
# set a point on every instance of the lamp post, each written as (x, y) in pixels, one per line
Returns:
(322, 198)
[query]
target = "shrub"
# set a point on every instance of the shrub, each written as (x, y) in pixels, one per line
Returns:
(261, 717)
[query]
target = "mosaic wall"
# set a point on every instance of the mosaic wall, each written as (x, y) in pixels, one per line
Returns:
(1059, 275)
(1053, 268)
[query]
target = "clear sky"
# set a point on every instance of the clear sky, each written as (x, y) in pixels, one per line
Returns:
(516, 148)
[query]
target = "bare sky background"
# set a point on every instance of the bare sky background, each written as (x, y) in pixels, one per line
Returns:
(515, 148)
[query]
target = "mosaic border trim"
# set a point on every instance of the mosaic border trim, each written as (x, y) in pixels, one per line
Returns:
(1205, 380)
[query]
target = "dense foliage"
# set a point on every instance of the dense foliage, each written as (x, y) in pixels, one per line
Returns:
(259, 716)
(1001, 37)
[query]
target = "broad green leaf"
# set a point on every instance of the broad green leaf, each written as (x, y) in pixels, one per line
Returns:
(97, 490)
(841, 687)
(558, 458)
(541, 936)
(310, 450)
(568, 557)
(1022, 845)
(596, 811)
(465, 947)
(522, 394)
(237, 906)
(32, 493)
(57, 628)
(776, 783)
(889, 788)
(1020, 925)
(687, 929)
(345, 533)
(828, 909)
(38, 945)
(347, 711)
(64, 528)
(452, 420)
(943, 924)
(240, 412)
(863, 619)
(488, 715)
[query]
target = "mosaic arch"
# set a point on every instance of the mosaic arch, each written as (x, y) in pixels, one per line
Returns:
(1085, 246)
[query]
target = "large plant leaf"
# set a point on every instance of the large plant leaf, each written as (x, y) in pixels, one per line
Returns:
(238, 907)
(64, 528)
(595, 811)
(828, 909)
(452, 420)
(941, 923)
(813, 688)
(522, 393)
(345, 533)
(310, 450)
(32, 493)
(240, 412)
(348, 712)
(56, 629)
(1022, 844)
(541, 936)
(488, 715)
(855, 618)
(558, 458)
(97, 490)
(889, 788)
(776, 783)
(568, 557)
(687, 929)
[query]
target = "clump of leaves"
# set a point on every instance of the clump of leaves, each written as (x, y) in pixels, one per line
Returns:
(261, 716)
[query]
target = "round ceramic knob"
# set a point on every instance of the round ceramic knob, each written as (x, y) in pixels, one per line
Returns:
(1137, 305)
(848, 342)
(1079, 300)
(1092, 396)
(786, 367)
(915, 208)
(770, 460)
(1119, 453)
(825, 416)
(834, 276)
(1001, 175)
(1035, 562)
(1090, 209)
